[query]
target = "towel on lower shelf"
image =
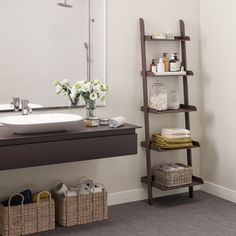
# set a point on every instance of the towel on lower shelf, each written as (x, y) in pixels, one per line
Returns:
(168, 143)
(176, 133)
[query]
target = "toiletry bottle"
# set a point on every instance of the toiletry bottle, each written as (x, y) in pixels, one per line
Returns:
(161, 66)
(166, 61)
(153, 66)
(174, 63)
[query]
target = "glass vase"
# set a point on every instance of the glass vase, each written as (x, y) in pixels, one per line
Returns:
(90, 108)
(73, 102)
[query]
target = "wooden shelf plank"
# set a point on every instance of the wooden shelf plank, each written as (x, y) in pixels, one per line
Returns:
(167, 74)
(177, 38)
(183, 108)
(196, 181)
(158, 149)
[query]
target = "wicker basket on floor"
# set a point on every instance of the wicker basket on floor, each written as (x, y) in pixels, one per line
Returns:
(27, 219)
(173, 178)
(81, 209)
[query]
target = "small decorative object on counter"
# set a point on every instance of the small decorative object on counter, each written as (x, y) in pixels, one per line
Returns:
(117, 121)
(83, 204)
(104, 121)
(173, 101)
(161, 66)
(158, 97)
(91, 121)
(166, 61)
(153, 66)
(27, 218)
(175, 64)
(173, 175)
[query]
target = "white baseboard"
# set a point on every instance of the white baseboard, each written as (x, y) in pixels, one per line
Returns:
(219, 191)
(139, 194)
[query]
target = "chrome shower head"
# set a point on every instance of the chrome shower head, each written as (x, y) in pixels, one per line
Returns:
(64, 4)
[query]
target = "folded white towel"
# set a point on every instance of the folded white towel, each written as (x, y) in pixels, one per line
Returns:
(176, 131)
(116, 122)
(175, 136)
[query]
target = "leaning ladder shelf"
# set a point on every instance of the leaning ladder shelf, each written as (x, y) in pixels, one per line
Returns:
(184, 108)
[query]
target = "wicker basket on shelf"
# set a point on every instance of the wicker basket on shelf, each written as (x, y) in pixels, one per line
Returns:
(27, 219)
(173, 178)
(81, 209)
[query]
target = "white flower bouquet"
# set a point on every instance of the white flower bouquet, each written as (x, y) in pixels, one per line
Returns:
(88, 91)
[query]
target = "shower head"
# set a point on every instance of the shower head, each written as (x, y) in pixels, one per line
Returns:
(64, 4)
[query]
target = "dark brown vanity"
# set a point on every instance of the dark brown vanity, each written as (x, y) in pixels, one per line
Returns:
(20, 151)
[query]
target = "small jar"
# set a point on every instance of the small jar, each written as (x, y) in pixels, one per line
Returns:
(158, 97)
(174, 101)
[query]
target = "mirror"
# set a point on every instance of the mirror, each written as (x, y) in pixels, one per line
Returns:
(47, 40)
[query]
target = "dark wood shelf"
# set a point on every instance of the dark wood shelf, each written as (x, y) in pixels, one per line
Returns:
(151, 74)
(158, 149)
(176, 38)
(183, 108)
(196, 181)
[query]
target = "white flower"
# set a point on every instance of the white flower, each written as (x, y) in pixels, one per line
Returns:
(104, 87)
(58, 88)
(74, 92)
(64, 82)
(95, 82)
(93, 96)
(85, 87)
(97, 89)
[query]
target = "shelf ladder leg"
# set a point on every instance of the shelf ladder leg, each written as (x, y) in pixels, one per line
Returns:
(146, 114)
(186, 97)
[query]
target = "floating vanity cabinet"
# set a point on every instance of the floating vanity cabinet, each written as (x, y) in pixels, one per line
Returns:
(20, 151)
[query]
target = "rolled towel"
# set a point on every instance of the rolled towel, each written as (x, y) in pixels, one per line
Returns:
(43, 196)
(61, 189)
(117, 122)
(16, 200)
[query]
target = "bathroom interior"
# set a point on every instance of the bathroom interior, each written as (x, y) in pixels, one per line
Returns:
(116, 117)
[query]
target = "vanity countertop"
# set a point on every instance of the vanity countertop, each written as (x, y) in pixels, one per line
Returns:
(8, 138)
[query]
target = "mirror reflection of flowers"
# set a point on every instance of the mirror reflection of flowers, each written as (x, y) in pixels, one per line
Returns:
(87, 91)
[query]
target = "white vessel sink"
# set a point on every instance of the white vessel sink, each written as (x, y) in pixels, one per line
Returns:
(10, 107)
(42, 123)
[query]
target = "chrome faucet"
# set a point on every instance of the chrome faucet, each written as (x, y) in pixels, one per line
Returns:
(25, 108)
(16, 103)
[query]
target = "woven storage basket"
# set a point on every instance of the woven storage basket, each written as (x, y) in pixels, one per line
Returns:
(81, 209)
(173, 178)
(27, 219)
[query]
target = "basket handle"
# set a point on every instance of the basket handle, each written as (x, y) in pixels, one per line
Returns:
(9, 213)
(49, 194)
(38, 201)
(17, 194)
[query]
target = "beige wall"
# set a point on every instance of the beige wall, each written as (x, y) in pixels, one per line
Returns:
(125, 96)
(218, 37)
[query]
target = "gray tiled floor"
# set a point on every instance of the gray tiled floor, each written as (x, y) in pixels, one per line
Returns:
(177, 215)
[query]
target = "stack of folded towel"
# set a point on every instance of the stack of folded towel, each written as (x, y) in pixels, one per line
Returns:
(173, 138)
